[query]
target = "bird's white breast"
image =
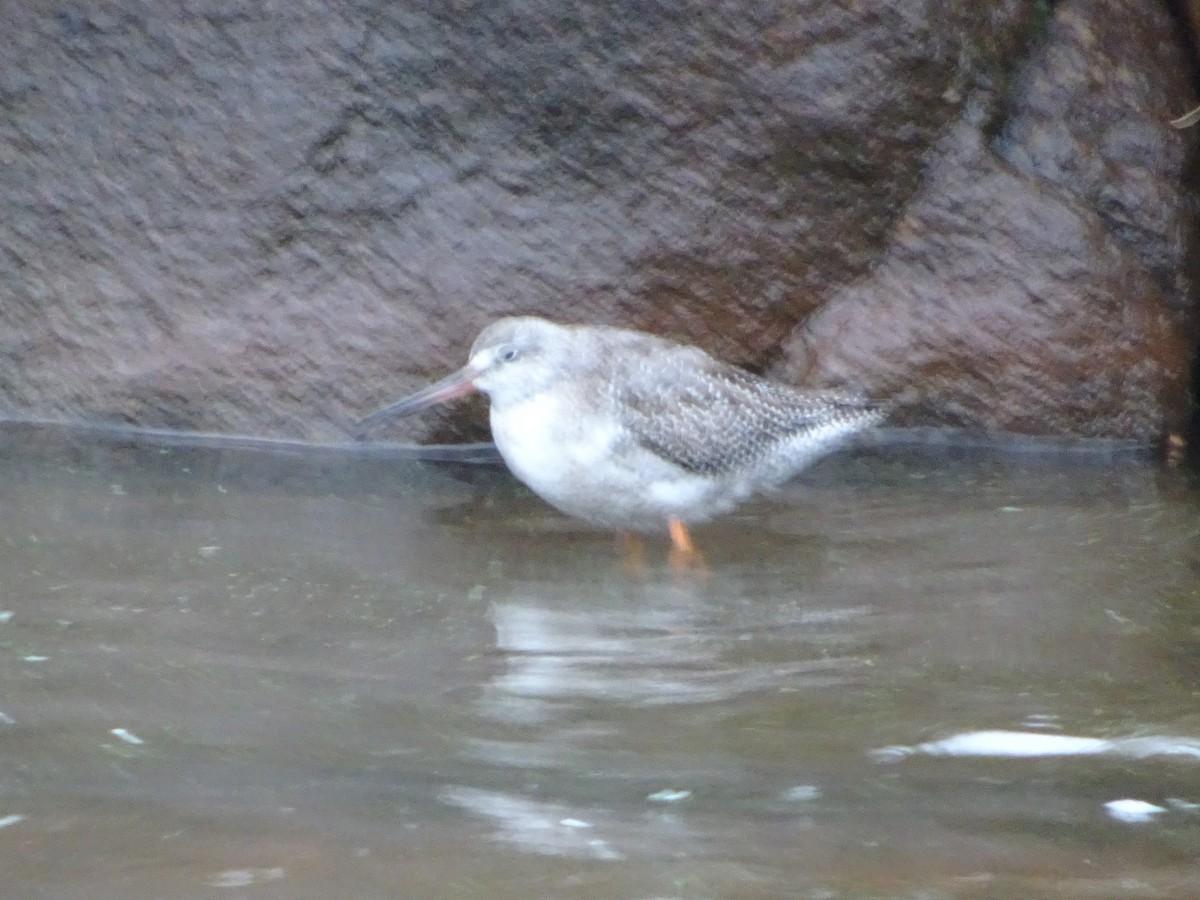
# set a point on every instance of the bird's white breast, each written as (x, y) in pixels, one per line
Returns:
(542, 440)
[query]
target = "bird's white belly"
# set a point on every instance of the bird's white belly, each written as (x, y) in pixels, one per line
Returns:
(586, 466)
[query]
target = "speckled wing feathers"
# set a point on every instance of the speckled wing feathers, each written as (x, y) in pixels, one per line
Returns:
(711, 418)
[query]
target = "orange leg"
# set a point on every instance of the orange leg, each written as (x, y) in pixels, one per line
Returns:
(633, 553)
(684, 554)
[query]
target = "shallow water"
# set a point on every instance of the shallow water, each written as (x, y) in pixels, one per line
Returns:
(285, 675)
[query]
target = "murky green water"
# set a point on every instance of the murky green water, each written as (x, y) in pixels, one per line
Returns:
(239, 674)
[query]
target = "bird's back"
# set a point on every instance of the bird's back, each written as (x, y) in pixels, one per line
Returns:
(713, 419)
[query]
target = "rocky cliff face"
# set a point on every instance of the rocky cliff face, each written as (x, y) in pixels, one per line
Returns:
(266, 218)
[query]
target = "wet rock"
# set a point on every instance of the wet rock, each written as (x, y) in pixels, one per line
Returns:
(265, 220)
(1091, 118)
(1003, 305)
(268, 219)
(1037, 281)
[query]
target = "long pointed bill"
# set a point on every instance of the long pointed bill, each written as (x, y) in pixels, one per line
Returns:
(459, 384)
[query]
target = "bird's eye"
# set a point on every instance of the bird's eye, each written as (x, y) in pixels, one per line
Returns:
(508, 354)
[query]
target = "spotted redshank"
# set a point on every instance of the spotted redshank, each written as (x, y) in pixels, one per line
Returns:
(634, 432)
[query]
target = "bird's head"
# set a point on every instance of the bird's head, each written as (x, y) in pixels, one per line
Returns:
(511, 359)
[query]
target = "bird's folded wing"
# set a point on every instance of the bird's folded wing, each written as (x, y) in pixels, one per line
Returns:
(710, 418)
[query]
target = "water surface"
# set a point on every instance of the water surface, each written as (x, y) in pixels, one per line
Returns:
(230, 673)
